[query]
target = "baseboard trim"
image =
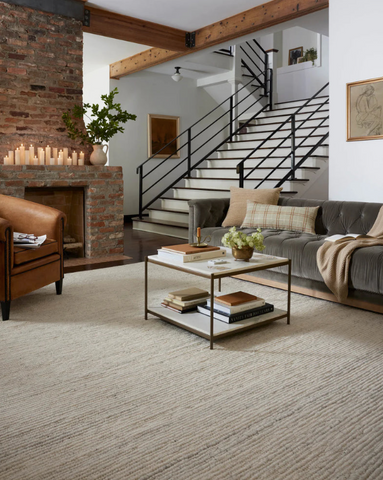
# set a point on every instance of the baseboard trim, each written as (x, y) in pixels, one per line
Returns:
(313, 293)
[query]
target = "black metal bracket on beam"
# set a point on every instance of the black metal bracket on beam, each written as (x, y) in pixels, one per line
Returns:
(86, 21)
(190, 39)
(67, 8)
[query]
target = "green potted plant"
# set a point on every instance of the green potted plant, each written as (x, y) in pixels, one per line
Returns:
(242, 245)
(104, 123)
(310, 54)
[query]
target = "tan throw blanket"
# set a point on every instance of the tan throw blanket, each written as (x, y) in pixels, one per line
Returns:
(333, 258)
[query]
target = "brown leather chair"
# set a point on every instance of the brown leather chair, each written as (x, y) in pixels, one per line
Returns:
(24, 270)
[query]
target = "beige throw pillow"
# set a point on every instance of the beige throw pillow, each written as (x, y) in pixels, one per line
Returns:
(295, 219)
(238, 202)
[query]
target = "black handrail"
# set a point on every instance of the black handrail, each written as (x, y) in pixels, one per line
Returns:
(242, 162)
(292, 135)
(233, 112)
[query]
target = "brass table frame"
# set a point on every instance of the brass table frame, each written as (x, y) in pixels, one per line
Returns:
(217, 276)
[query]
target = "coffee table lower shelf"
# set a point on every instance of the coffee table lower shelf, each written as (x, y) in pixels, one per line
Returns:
(199, 324)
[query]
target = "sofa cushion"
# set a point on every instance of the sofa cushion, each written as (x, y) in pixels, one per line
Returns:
(366, 267)
(238, 203)
(294, 219)
(24, 255)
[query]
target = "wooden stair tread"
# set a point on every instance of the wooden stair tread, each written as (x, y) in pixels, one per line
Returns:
(278, 123)
(301, 100)
(169, 210)
(296, 107)
(271, 131)
(167, 223)
(215, 190)
(261, 158)
(236, 178)
(276, 138)
(250, 168)
(270, 148)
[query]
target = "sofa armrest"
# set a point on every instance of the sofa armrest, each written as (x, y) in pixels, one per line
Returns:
(207, 212)
(6, 258)
(4, 226)
(30, 217)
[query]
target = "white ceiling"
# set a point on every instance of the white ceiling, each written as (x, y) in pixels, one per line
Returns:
(182, 14)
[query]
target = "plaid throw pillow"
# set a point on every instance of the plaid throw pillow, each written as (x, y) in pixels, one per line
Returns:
(295, 219)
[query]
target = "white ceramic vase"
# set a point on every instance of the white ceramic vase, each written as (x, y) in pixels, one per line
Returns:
(98, 156)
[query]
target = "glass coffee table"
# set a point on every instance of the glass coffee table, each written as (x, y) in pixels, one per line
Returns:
(211, 328)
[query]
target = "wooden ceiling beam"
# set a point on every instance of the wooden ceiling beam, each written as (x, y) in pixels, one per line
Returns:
(122, 27)
(250, 21)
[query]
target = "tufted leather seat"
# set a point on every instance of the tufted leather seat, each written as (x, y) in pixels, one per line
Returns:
(366, 268)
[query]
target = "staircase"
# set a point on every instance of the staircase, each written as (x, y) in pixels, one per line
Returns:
(266, 148)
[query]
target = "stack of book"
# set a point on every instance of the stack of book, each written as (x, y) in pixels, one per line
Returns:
(185, 253)
(185, 300)
(236, 307)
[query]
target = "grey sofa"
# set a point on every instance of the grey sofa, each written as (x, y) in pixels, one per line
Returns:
(334, 217)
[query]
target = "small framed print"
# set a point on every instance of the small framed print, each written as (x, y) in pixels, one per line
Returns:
(162, 129)
(294, 54)
(364, 110)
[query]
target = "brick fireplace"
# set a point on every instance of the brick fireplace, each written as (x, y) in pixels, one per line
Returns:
(103, 199)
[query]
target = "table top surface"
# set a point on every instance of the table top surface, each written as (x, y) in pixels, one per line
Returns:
(231, 266)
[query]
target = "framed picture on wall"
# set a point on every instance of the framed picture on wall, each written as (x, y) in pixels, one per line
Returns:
(364, 110)
(162, 129)
(294, 54)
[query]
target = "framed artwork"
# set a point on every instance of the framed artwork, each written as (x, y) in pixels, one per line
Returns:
(364, 110)
(294, 54)
(161, 130)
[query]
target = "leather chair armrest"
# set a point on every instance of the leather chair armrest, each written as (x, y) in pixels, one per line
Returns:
(208, 212)
(30, 217)
(4, 225)
(6, 258)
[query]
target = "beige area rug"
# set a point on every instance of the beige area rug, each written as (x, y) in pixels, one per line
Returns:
(89, 390)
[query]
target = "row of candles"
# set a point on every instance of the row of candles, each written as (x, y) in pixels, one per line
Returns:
(49, 156)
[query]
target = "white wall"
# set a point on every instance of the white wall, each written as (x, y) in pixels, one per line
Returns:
(143, 93)
(297, 37)
(356, 39)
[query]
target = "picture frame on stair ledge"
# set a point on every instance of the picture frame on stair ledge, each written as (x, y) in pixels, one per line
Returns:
(294, 54)
(365, 110)
(162, 129)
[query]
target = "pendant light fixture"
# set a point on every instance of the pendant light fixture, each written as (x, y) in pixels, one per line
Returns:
(177, 76)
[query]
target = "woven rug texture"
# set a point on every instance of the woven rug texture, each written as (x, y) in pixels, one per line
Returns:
(90, 390)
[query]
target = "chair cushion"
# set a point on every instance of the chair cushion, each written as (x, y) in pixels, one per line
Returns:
(24, 255)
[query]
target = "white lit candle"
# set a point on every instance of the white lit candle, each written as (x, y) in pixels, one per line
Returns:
(48, 153)
(22, 154)
(31, 151)
(74, 158)
(35, 161)
(17, 157)
(69, 161)
(81, 159)
(55, 156)
(60, 160)
(11, 156)
(6, 160)
(65, 152)
(26, 157)
(52, 161)
(41, 157)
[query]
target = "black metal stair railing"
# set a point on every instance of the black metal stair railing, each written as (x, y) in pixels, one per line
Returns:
(251, 66)
(294, 129)
(200, 139)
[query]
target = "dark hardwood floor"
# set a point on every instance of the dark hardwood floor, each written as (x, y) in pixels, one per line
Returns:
(140, 244)
(137, 245)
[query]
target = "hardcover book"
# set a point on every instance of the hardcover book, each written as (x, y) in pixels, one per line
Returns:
(235, 298)
(187, 294)
(238, 317)
(186, 249)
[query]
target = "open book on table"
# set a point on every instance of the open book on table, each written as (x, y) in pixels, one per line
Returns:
(334, 238)
(28, 240)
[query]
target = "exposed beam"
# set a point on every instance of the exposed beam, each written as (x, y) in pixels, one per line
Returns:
(122, 27)
(250, 21)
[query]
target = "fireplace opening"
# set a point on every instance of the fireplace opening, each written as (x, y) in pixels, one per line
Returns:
(71, 202)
